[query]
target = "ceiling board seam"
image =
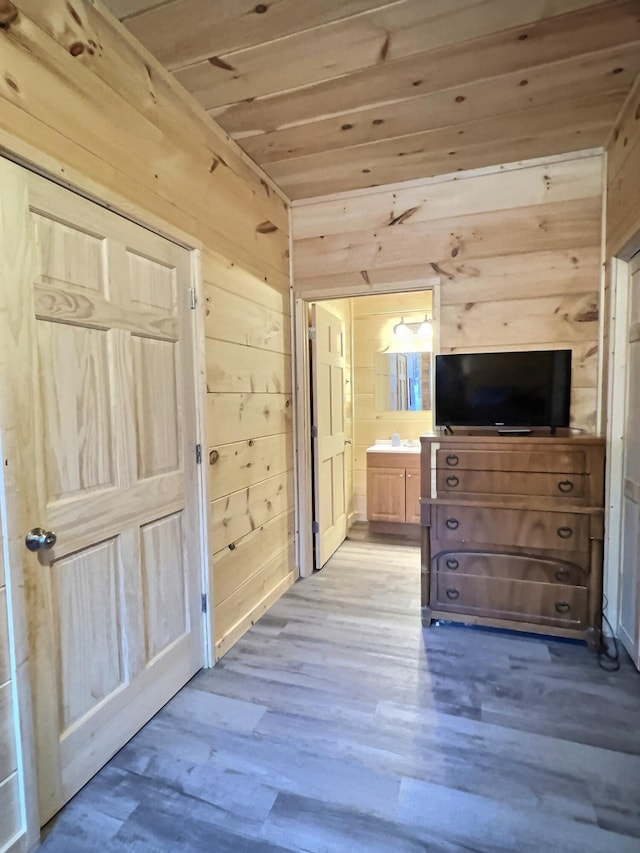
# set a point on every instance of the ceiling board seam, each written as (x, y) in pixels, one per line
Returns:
(372, 145)
(629, 98)
(153, 8)
(465, 44)
(182, 95)
(589, 56)
(398, 186)
(229, 54)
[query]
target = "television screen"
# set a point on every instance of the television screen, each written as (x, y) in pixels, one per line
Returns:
(510, 389)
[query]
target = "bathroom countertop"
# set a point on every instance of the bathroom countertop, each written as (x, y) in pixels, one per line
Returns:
(387, 447)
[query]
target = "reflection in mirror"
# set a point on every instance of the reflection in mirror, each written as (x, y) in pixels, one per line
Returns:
(402, 381)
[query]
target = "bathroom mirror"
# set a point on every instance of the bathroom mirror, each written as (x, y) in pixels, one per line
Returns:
(402, 381)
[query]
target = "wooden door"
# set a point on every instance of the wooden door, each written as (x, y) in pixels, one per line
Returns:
(630, 561)
(102, 396)
(327, 379)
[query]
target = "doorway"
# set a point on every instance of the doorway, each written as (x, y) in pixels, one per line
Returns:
(622, 586)
(370, 322)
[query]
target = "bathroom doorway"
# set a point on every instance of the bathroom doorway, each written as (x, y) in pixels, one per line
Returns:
(381, 331)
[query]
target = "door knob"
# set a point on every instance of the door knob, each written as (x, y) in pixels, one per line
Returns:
(39, 538)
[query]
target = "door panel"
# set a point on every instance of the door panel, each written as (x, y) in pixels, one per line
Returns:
(89, 654)
(102, 333)
(78, 415)
(327, 373)
(164, 584)
(155, 379)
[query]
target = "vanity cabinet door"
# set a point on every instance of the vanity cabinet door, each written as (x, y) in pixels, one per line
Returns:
(386, 494)
(412, 496)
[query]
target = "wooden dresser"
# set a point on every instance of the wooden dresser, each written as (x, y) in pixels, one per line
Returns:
(512, 531)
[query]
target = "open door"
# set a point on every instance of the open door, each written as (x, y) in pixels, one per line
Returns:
(630, 560)
(99, 412)
(328, 431)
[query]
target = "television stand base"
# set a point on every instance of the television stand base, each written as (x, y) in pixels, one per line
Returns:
(514, 431)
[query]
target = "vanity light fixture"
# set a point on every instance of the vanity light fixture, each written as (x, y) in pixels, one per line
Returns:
(402, 330)
(405, 330)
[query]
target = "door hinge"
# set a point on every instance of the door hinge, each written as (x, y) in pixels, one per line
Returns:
(314, 431)
(312, 333)
(192, 297)
(203, 599)
(198, 454)
(316, 527)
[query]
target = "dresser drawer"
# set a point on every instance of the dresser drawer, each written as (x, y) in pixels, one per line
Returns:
(551, 461)
(511, 566)
(564, 486)
(526, 528)
(552, 604)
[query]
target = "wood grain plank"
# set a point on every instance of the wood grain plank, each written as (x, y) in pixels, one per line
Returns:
(236, 368)
(558, 226)
(382, 35)
(237, 514)
(125, 8)
(82, 102)
(228, 25)
(586, 76)
(439, 198)
(520, 49)
(121, 62)
(246, 463)
(524, 135)
(236, 416)
(270, 289)
(623, 162)
(233, 318)
(544, 320)
(266, 588)
(233, 567)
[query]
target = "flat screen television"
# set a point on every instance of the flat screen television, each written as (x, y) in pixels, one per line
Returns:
(503, 389)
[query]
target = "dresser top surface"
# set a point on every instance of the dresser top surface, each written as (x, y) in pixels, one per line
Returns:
(515, 441)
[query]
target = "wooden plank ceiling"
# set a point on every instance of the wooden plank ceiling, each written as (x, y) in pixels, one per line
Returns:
(332, 95)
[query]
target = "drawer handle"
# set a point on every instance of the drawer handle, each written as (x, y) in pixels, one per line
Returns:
(452, 480)
(565, 532)
(452, 563)
(565, 486)
(452, 523)
(453, 594)
(563, 607)
(562, 575)
(452, 460)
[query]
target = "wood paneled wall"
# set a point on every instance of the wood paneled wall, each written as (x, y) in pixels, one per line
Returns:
(517, 250)
(249, 426)
(82, 100)
(373, 320)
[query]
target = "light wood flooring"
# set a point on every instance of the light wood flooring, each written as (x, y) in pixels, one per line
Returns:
(338, 724)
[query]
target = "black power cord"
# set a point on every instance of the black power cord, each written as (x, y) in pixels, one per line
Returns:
(607, 659)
